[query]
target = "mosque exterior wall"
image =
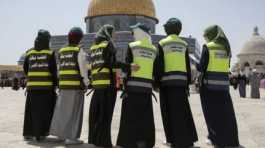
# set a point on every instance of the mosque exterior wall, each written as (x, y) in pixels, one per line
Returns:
(121, 22)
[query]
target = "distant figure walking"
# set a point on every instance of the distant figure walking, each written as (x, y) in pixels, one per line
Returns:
(255, 78)
(15, 84)
(2, 83)
(242, 80)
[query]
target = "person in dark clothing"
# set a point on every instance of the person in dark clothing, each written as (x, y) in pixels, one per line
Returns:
(255, 79)
(242, 81)
(175, 77)
(41, 72)
(216, 101)
(234, 81)
(137, 128)
(22, 82)
(2, 83)
(103, 64)
(15, 84)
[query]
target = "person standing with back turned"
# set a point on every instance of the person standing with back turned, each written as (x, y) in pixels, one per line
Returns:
(103, 64)
(41, 74)
(73, 80)
(175, 77)
(216, 101)
(137, 129)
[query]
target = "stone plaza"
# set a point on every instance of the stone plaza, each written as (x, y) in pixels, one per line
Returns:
(250, 117)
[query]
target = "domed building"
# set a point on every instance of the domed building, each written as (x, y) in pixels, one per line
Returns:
(252, 54)
(121, 14)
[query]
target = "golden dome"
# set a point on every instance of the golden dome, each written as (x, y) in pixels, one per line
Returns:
(127, 7)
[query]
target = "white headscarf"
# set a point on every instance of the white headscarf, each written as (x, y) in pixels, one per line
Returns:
(139, 34)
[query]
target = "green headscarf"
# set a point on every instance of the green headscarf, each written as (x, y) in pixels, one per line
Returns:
(216, 34)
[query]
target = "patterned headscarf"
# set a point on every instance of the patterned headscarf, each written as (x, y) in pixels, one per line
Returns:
(216, 34)
(105, 32)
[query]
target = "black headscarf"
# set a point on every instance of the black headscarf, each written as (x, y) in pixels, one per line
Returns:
(216, 34)
(173, 26)
(75, 35)
(42, 41)
(104, 33)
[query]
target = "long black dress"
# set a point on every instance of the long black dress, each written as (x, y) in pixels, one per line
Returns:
(177, 117)
(137, 128)
(39, 106)
(218, 110)
(242, 80)
(103, 103)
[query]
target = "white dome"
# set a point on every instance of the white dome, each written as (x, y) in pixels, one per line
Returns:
(256, 45)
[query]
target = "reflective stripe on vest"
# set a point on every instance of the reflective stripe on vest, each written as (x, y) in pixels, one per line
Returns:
(69, 83)
(174, 77)
(218, 67)
(100, 74)
(69, 74)
(174, 50)
(139, 84)
(39, 76)
(32, 74)
(39, 83)
(32, 52)
(216, 82)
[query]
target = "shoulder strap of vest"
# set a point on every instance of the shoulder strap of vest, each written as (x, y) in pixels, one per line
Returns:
(103, 44)
(213, 45)
(134, 44)
(142, 44)
(172, 38)
(66, 49)
(44, 51)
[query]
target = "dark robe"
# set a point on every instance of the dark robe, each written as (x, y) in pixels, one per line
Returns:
(255, 85)
(218, 110)
(38, 113)
(103, 103)
(177, 117)
(39, 106)
(242, 80)
(137, 127)
(15, 84)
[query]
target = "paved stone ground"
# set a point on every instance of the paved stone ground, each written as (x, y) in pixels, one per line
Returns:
(250, 116)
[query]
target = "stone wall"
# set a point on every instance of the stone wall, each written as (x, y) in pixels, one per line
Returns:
(121, 22)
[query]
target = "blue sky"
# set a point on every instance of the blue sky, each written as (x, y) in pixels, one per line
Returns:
(21, 19)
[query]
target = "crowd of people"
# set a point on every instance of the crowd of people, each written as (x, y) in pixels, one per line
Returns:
(165, 69)
(255, 80)
(14, 82)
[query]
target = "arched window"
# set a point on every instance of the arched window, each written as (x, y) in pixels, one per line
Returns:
(246, 64)
(259, 63)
